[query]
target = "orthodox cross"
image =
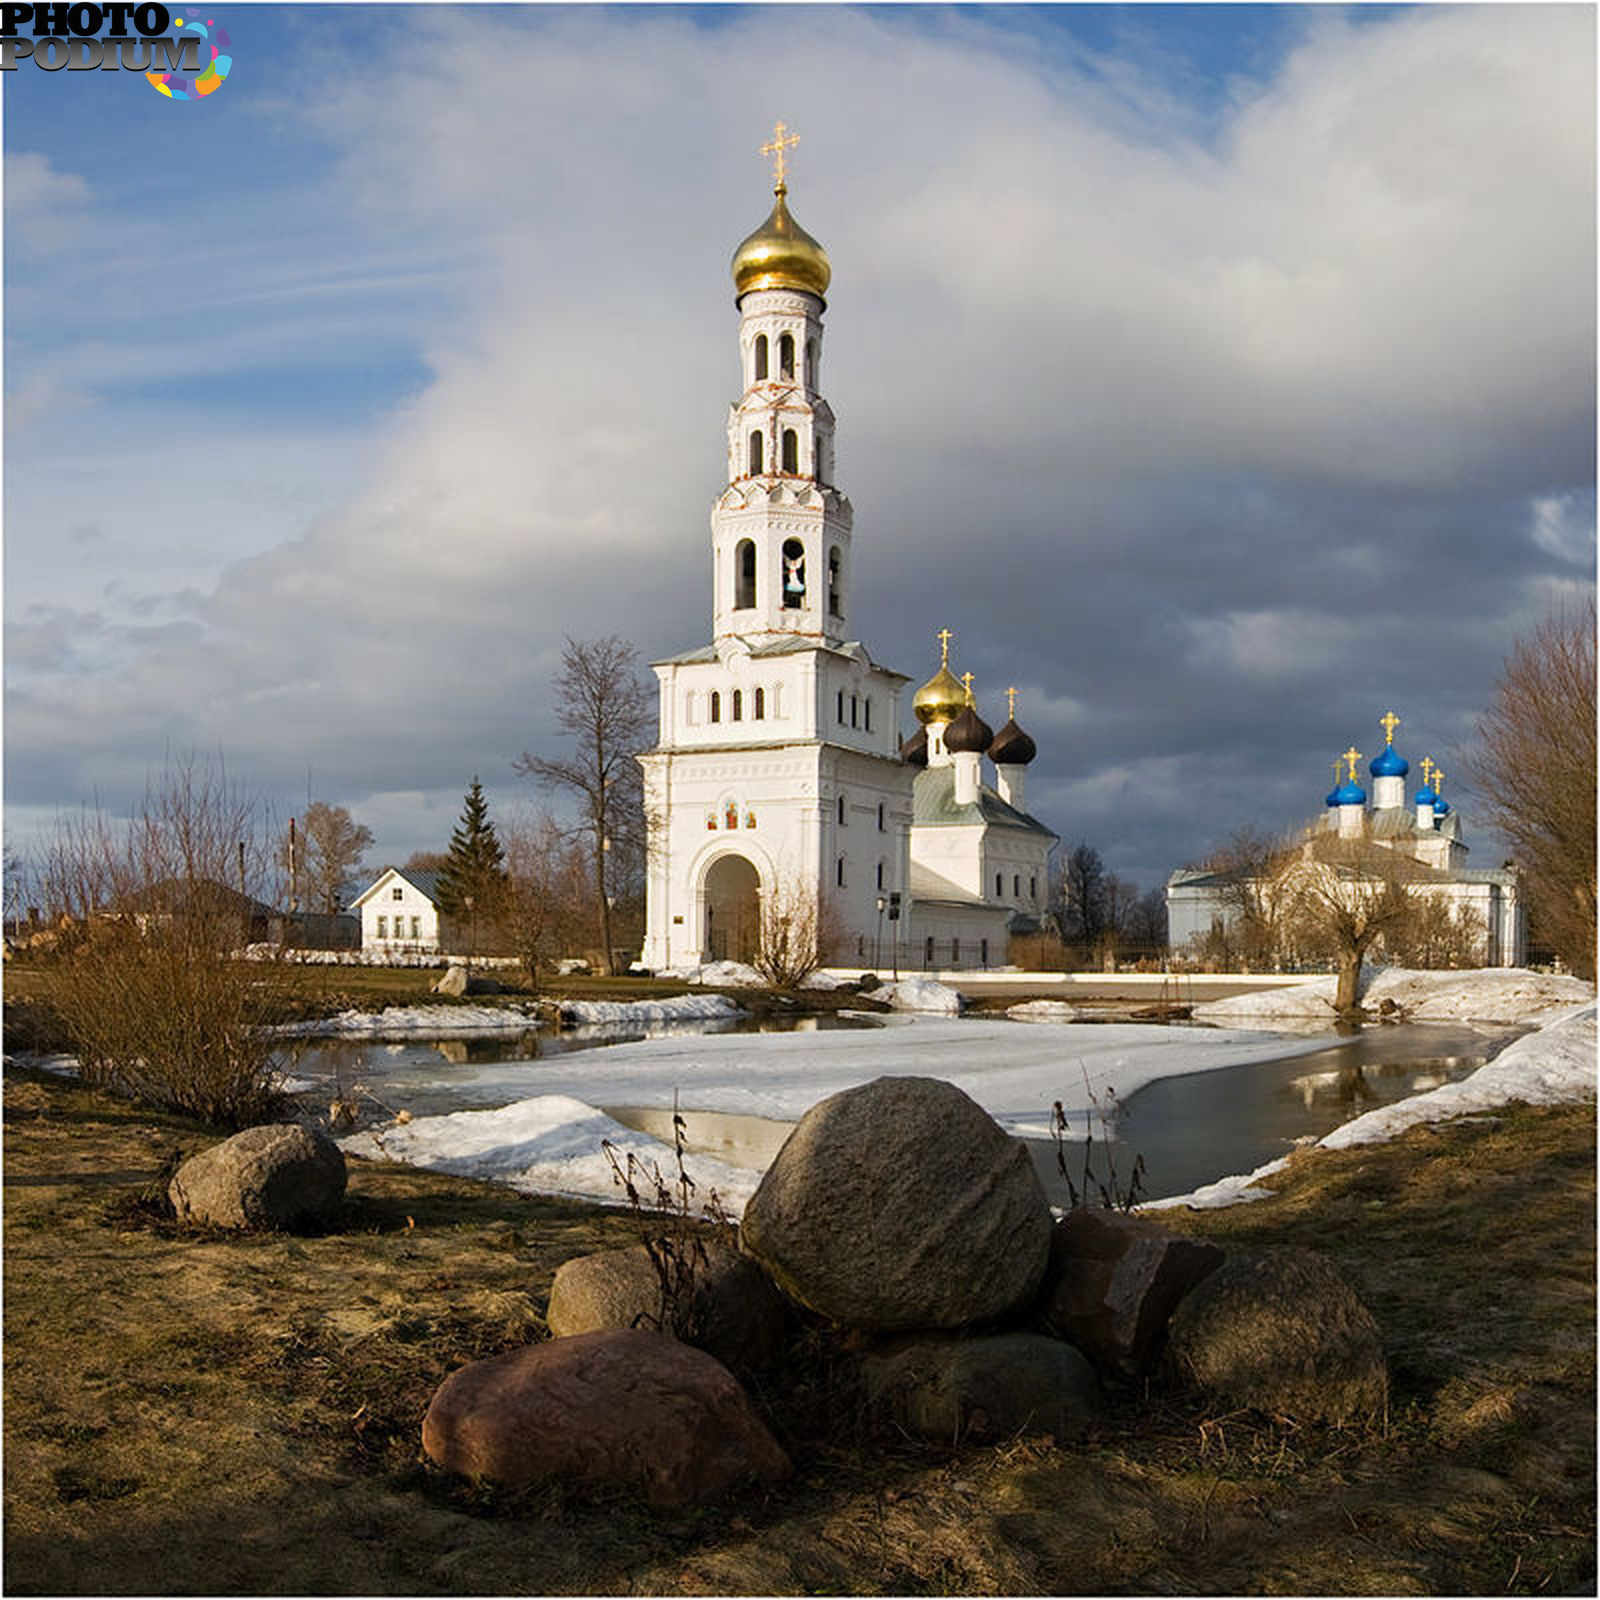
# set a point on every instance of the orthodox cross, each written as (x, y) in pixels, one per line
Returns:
(1389, 722)
(1338, 774)
(1352, 755)
(1427, 770)
(944, 637)
(782, 140)
(1438, 780)
(966, 678)
(1011, 703)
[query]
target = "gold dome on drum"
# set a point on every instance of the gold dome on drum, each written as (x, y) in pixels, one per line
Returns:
(941, 699)
(780, 254)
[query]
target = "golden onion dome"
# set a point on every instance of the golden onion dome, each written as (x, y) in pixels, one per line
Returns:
(941, 699)
(780, 254)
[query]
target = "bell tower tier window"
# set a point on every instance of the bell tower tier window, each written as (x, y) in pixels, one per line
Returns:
(761, 358)
(745, 560)
(794, 574)
(756, 451)
(786, 356)
(791, 450)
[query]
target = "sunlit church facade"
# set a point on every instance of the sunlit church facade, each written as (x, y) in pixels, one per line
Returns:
(778, 784)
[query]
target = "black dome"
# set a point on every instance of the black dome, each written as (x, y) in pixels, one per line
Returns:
(968, 732)
(1012, 747)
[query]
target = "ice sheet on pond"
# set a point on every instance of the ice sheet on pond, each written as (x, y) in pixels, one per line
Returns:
(551, 1144)
(675, 1008)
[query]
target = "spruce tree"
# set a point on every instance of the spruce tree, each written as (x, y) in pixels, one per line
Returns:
(474, 872)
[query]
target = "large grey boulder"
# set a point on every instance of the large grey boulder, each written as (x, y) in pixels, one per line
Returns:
(1114, 1281)
(732, 1310)
(618, 1409)
(901, 1205)
(995, 1388)
(278, 1175)
(1283, 1331)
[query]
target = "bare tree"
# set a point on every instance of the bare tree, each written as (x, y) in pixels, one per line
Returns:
(1255, 894)
(333, 844)
(1346, 896)
(607, 708)
(1534, 769)
(545, 890)
(798, 929)
(150, 984)
(1082, 897)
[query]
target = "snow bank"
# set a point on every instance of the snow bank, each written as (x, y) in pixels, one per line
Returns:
(368, 958)
(546, 1145)
(1045, 1011)
(920, 994)
(411, 1022)
(717, 974)
(827, 980)
(676, 1008)
(1486, 994)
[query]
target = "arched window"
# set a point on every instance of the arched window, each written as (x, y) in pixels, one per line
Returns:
(738, 705)
(835, 596)
(983, 952)
(839, 710)
(999, 885)
(791, 450)
(786, 355)
(811, 363)
(866, 713)
(755, 454)
(927, 953)
(1033, 888)
(761, 357)
(855, 709)
(745, 575)
(839, 810)
(955, 952)
(880, 874)
(880, 816)
(838, 872)
(759, 709)
(794, 573)
(1016, 884)
(716, 706)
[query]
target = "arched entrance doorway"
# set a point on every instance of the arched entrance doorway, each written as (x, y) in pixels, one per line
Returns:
(733, 909)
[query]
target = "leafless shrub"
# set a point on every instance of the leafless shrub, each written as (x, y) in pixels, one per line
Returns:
(148, 983)
(1115, 1192)
(797, 930)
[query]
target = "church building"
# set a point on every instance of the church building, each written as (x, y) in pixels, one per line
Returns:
(778, 787)
(1427, 831)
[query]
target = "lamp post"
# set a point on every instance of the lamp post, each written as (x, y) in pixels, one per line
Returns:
(894, 929)
(877, 947)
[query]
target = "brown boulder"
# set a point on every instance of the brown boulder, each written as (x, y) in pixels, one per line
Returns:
(947, 1390)
(901, 1205)
(733, 1312)
(1114, 1281)
(618, 1409)
(278, 1175)
(1283, 1331)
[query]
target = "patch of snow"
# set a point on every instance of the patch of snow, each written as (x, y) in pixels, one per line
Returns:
(717, 974)
(550, 1144)
(1224, 1192)
(1045, 1011)
(920, 994)
(368, 958)
(1484, 994)
(827, 980)
(676, 1008)
(411, 1022)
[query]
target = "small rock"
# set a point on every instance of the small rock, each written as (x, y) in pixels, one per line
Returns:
(1012, 1383)
(279, 1175)
(1113, 1282)
(618, 1409)
(733, 1312)
(1283, 1331)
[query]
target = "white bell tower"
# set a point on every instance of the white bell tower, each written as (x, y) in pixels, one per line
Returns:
(780, 531)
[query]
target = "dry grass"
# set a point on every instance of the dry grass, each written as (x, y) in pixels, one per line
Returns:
(191, 1412)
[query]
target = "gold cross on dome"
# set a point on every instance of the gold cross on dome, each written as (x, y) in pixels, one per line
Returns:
(1389, 722)
(944, 636)
(1427, 770)
(1352, 755)
(1438, 780)
(782, 140)
(1011, 702)
(966, 678)
(1338, 772)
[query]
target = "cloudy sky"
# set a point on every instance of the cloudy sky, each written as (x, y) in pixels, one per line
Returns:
(1222, 376)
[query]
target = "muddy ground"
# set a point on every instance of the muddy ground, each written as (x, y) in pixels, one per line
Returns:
(188, 1412)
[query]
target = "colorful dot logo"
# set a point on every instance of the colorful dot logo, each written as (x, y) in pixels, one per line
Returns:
(216, 69)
